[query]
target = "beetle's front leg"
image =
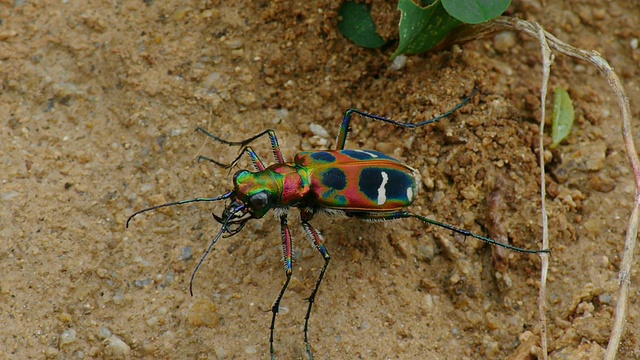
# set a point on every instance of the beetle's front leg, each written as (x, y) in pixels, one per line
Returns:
(287, 252)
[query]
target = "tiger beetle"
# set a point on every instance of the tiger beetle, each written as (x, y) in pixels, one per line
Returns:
(363, 184)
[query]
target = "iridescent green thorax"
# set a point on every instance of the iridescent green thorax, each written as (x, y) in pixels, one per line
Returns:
(283, 184)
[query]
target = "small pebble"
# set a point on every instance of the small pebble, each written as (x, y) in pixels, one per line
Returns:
(9, 195)
(504, 41)
(143, 282)
(454, 279)
(116, 348)
(605, 299)
(102, 273)
(104, 333)
(221, 353)
(203, 313)
(469, 193)
(437, 197)
(398, 63)
(186, 254)
(51, 353)
(235, 44)
(602, 183)
(472, 317)
(67, 337)
(318, 130)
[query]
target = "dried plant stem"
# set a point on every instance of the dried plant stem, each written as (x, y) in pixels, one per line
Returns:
(544, 271)
(592, 57)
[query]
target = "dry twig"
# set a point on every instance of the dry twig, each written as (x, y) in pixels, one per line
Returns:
(547, 58)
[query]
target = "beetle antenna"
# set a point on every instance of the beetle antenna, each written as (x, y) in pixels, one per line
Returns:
(200, 199)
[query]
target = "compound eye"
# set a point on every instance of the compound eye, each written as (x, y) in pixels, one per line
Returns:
(259, 201)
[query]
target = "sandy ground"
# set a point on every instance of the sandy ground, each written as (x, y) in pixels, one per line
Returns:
(100, 101)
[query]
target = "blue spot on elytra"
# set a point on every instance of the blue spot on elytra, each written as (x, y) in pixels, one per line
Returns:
(322, 156)
(369, 182)
(398, 183)
(334, 179)
(395, 189)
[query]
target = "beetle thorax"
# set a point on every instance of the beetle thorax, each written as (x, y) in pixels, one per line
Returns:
(283, 184)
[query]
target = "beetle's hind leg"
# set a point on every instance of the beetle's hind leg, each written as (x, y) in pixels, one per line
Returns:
(378, 216)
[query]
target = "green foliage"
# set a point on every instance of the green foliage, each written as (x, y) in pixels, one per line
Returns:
(563, 116)
(421, 26)
(357, 25)
(475, 11)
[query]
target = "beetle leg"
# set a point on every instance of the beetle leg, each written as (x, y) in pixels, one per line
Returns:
(287, 253)
(406, 214)
(344, 128)
(318, 243)
(275, 147)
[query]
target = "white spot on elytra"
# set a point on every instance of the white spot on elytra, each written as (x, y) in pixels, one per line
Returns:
(366, 152)
(410, 193)
(382, 192)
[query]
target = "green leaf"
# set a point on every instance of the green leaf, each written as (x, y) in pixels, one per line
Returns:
(563, 115)
(357, 25)
(422, 28)
(475, 11)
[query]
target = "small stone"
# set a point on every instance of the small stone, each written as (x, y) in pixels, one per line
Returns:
(504, 41)
(104, 333)
(469, 193)
(6, 196)
(601, 183)
(102, 273)
(364, 325)
(143, 282)
(605, 299)
(318, 130)
(203, 313)
(472, 317)
(51, 353)
(438, 196)
(235, 44)
(221, 353)
(67, 337)
(455, 278)
(116, 348)
(64, 317)
(186, 254)
(398, 63)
